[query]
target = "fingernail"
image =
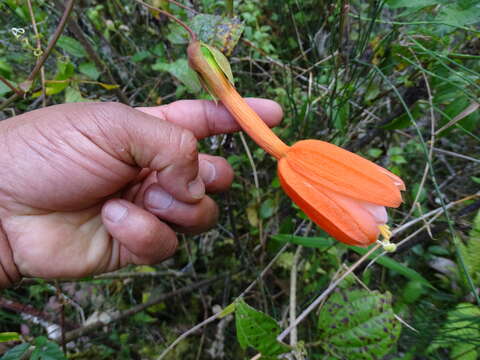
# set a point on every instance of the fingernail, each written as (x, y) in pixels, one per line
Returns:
(158, 199)
(115, 212)
(197, 188)
(207, 171)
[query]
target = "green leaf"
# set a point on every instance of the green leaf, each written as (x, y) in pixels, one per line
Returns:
(9, 336)
(322, 243)
(89, 69)
(267, 209)
(140, 56)
(73, 95)
(180, 70)
(257, 330)
(358, 324)
(177, 34)
(409, 3)
(46, 350)
(457, 16)
(71, 46)
(16, 353)
(4, 89)
(218, 31)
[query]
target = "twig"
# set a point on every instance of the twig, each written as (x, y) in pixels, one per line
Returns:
(319, 299)
(74, 334)
(11, 86)
(193, 36)
(293, 297)
(46, 54)
(39, 48)
(183, 6)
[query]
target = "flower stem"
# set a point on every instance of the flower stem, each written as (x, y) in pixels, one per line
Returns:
(248, 119)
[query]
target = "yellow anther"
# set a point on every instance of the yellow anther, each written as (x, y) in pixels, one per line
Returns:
(385, 231)
(386, 234)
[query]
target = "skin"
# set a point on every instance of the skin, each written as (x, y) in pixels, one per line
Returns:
(91, 187)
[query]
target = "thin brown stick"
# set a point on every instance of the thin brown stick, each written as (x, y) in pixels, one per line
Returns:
(39, 48)
(46, 54)
(193, 36)
(11, 86)
(183, 6)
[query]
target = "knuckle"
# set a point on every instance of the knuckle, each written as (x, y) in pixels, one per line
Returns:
(188, 145)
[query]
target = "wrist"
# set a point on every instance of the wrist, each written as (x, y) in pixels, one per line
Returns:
(9, 273)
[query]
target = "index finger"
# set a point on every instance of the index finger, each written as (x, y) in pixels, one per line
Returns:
(205, 118)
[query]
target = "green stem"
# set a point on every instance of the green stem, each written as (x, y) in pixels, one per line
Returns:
(229, 7)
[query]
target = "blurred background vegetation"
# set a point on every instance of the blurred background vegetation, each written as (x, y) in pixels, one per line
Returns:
(396, 81)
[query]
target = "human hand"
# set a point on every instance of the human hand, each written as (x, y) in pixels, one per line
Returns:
(88, 188)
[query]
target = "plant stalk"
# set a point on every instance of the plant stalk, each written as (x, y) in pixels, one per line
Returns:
(248, 119)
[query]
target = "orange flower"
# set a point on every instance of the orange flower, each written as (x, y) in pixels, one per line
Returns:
(341, 192)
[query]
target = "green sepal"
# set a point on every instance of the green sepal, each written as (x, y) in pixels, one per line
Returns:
(227, 310)
(217, 60)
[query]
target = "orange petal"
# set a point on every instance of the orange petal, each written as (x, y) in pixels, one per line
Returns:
(344, 172)
(344, 219)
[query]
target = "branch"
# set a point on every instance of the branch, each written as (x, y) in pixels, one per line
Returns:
(11, 86)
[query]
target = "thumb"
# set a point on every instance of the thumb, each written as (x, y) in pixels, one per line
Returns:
(149, 142)
(143, 237)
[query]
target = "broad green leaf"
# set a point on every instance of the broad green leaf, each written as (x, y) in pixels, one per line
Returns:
(89, 69)
(218, 31)
(180, 70)
(9, 336)
(16, 353)
(457, 16)
(358, 324)
(46, 350)
(257, 330)
(71, 46)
